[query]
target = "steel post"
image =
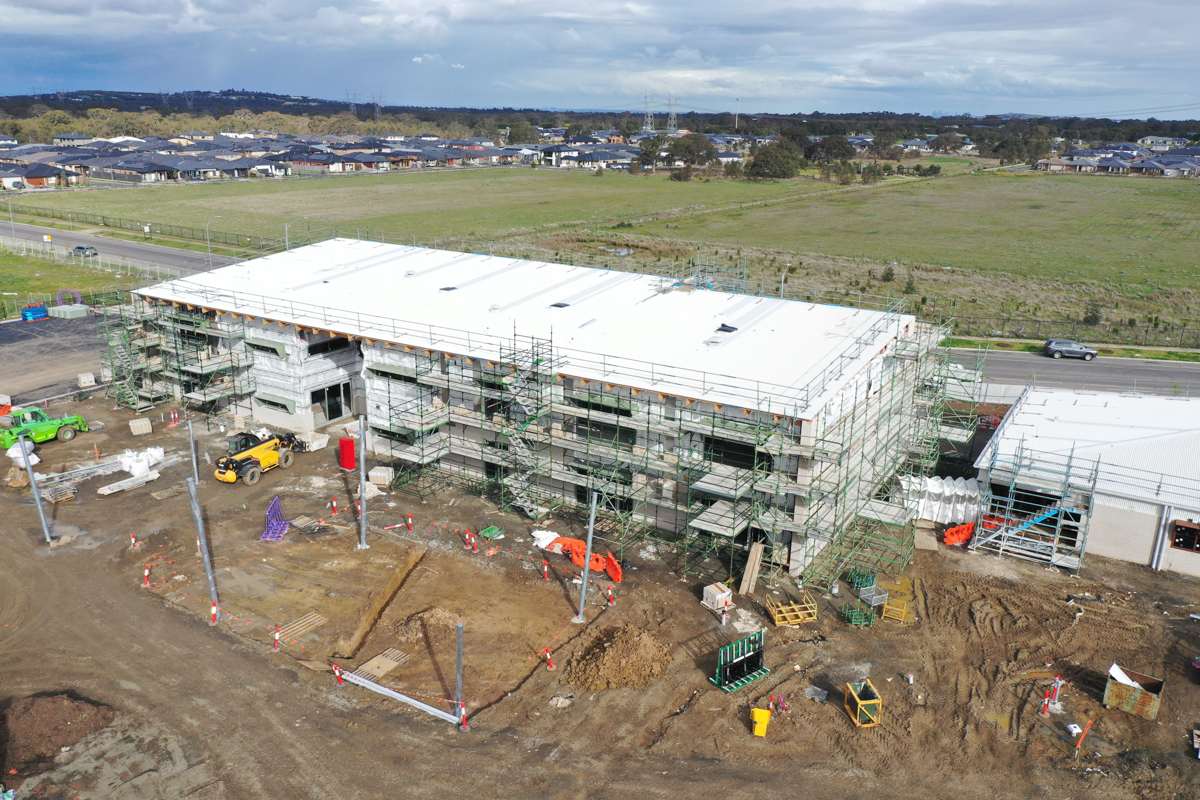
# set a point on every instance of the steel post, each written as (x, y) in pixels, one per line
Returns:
(462, 710)
(192, 450)
(204, 553)
(37, 497)
(587, 561)
(362, 483)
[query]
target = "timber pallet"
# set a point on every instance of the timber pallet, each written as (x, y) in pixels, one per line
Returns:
(797, 613)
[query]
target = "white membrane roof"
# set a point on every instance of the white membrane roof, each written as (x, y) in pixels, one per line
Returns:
(626, 328)
(1146, 447)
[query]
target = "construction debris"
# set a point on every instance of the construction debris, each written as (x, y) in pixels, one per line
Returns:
(128, 483)
(58, 492)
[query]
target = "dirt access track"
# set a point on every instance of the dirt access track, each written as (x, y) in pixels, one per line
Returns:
(213, 712)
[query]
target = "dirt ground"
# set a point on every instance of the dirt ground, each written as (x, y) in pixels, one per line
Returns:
(204, 712)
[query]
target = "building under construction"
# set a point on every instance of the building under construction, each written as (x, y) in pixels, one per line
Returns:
(704, 416)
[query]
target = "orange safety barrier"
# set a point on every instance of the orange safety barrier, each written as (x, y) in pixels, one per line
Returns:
(959, 533)
(577, 550)
(613, 567)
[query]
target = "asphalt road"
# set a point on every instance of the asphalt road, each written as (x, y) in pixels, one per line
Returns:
(1101, 374)
(116, 248)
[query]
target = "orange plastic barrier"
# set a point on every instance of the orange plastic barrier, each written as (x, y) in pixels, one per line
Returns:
(612, 567)
(959, 534)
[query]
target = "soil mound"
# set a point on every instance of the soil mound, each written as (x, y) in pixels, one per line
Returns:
(439, 623)
(39, 727)
(619, 657)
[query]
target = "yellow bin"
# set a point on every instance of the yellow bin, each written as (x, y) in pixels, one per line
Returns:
(760, 717)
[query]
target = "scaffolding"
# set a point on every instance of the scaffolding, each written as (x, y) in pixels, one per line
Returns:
(156, 353)
(1037, 506)
(811, 471)
(131, 361)
(526, 456)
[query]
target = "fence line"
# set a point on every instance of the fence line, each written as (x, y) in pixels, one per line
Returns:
(142, 273)
(1107, 333)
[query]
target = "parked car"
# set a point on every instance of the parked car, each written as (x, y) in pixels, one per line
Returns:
(84, 251)
(1057, 348)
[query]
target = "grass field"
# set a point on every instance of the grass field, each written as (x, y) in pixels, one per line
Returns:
(1139, 233)
(25, 279)
(996, 244)
(471, 203)
(25, 275)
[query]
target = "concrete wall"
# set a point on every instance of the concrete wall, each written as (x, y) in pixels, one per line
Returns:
(1125, 530)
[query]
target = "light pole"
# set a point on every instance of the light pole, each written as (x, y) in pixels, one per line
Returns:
(208, 241)
(286, 245)
(10, 220)
(736, 101)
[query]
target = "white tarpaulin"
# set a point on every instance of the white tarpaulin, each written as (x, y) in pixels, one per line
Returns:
(949, 501)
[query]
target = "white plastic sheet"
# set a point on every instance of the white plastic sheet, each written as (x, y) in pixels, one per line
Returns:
(948, 501)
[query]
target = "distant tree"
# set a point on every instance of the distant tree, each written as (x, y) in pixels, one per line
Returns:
(872, 173)
(523, 132)
(910, 285)
(734, 169)
(1093, 313)
(777, 160)
(56, 118)
(692, 149)
(37, 110)
(829, 149)
(946, 143)
(652, 150)
(882, 144)
(575, 130)
(629, 129)
(888, 275)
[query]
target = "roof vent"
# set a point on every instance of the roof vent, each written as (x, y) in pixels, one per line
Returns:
(726, 328)
(493, 309)
(447, 288)
(559, 305)
(410, 273)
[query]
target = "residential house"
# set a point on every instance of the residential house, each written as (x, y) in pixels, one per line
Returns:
(48, 175)
(70, 139)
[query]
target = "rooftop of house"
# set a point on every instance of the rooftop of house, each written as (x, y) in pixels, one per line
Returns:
(644, 331)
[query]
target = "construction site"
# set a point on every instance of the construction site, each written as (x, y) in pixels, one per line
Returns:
(609, 532)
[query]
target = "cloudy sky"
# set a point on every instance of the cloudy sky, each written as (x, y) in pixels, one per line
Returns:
(981, 56)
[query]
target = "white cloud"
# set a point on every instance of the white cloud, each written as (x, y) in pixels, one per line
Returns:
(1062, 56)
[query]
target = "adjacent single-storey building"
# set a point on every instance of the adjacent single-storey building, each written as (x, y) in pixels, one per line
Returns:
(1116, 475)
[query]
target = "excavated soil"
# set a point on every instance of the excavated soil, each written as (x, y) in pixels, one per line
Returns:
(40, 727)
(437, 623)
(624, 657)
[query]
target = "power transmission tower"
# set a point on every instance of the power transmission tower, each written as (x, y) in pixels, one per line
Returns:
(377, 101)
(165, 94)
(190, 98)
(648, 123)
(672, 104)
(352, 99)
